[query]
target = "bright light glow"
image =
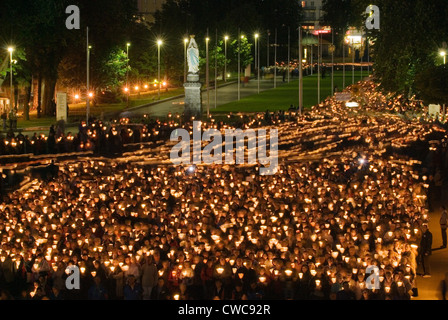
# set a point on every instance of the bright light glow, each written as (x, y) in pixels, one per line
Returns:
(207, 39)
(354, 39)
(164, 84)
(136, 88)
(159, 42)
(185, 40)
(242, 37)
(126, 89)
(76, 96)
(322, 31)
(362, 161)
(10, 49)
(443, 53)
(128, 44)
(226, 38)
(90, 94)
(350, 104)
(145, 86)
(256, 35)
(191, 169)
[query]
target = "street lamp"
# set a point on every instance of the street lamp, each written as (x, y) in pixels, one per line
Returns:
(216, 67)
(127, 72)
(443, 54)
(289, 52)
(300, 70)
(257, 61)
(225, 57)
(10, 50)
(239, 64)
(275, 60)
(207, 76)
(185, 59)
(159, 43)
(88, 77)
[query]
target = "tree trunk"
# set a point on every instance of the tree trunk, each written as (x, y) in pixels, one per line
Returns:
(16, 97)
(26, 103)
(39, 96)
(48, 103)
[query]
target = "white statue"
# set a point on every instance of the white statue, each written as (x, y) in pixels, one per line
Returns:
(193, 57)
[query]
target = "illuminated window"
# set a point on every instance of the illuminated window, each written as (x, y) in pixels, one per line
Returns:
(303, 4)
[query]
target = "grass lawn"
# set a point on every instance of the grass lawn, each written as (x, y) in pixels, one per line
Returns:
(35, 122)
(286, 94)
(274, 99)
(134, 100)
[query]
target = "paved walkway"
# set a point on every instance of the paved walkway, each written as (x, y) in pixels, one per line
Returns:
(429, 288)
(225, 94)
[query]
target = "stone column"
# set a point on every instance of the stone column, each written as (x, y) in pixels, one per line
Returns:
(193, 99)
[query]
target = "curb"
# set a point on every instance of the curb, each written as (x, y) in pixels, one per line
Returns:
(171, 98)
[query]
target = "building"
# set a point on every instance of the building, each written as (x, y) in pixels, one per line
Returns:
(148, 8)
(312, 12)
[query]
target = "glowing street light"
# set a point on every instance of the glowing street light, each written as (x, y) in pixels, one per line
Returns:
(10, 50)
(88, 77)
(225, 57)
(185, 59)
(257, 60)
(127, 72)
(443, 54)
(159, 43)
(207, 40)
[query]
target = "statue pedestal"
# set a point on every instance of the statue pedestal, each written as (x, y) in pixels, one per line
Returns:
(193, 100)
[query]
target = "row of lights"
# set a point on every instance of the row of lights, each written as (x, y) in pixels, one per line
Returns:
(126, 89)
(146, 87)
(77, 96)
(225, 38)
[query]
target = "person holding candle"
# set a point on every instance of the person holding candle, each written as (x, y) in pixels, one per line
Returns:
(149, 277)
(160, 291)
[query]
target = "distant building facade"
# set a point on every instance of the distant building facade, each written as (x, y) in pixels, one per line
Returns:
(147, 9)
(312, 12)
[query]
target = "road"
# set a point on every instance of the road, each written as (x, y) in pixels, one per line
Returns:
(225, 94)
(429, 288)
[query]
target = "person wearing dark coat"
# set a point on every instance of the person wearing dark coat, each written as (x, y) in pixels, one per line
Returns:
(425, 250)
(160, 291)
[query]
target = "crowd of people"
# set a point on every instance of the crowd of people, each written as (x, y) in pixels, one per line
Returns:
(350, 196)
